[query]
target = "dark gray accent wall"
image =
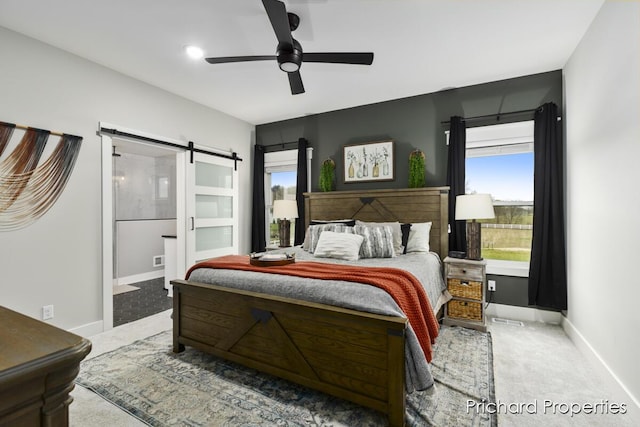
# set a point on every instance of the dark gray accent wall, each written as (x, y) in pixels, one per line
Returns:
(510, 290)
(412, 123)
(415, 122)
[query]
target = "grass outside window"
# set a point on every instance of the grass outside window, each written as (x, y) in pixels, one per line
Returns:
(509, 244)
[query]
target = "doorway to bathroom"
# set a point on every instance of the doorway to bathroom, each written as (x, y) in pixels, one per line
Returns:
(206, 220)
(144, 216)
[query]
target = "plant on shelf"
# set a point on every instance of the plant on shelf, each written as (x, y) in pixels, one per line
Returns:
(327, 175)
(416, 169)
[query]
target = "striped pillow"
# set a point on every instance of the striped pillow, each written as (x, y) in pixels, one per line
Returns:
(395, 227)
(378, 241)
(316, 230)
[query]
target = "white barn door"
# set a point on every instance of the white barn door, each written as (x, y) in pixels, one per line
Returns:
(211, 208)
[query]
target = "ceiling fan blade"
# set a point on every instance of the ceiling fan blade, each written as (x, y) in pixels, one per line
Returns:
(357, 58)
(225, 59)
(295, 81)
(279, 20)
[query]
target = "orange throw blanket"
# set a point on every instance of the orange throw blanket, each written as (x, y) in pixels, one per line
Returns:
(404, 287)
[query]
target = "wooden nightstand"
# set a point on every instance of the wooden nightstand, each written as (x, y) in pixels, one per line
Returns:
(466, 283)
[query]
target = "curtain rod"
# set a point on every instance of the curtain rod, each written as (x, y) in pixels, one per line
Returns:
(51, 132)
(190, 147)
(279, 144)
(497, 116)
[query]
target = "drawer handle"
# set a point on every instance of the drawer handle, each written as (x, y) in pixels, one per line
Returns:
(464, 283)
(464, 271)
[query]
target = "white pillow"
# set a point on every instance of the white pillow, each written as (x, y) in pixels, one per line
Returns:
(338, 245)
(306, 245)
(316, 230)
(419, 237)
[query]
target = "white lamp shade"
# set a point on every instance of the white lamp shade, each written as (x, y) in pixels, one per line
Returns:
(285, 209)
(474, 206)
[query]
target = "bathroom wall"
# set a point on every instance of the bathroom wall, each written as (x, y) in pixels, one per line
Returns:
(145, 210)
(144, 187)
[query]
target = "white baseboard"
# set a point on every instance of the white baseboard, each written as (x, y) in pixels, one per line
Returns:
(89, 329)
(135, 278)
(527, 314)
(621, 392)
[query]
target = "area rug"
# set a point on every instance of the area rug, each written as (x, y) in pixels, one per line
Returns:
(192, 388)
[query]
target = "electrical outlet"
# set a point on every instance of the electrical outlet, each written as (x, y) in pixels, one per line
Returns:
(47, 312)
(491, 285)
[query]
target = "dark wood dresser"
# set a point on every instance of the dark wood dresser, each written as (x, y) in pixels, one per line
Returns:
(38, 363)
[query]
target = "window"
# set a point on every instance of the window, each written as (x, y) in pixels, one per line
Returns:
(282, 187)
(280, 183)
(280, 176)
(499, 161)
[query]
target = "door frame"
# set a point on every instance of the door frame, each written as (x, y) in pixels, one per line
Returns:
(107, 211)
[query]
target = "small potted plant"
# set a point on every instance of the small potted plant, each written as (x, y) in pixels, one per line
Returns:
(327, 175)
(416, 169)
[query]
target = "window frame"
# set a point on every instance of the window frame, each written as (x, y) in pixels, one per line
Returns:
(280, 161)
(494, 140)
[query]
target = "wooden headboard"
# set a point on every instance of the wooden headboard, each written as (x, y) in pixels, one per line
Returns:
(406, 205)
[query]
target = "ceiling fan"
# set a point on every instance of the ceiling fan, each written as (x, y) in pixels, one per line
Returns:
(289, 52)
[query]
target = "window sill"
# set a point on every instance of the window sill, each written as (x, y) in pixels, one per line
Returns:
(507, 268)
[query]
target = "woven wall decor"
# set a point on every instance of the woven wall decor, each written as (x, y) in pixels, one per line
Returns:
(29, 187)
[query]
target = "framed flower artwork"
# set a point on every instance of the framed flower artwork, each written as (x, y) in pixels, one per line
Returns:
(366, 162)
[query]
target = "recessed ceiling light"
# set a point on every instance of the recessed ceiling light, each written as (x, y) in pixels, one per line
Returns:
(194, 52)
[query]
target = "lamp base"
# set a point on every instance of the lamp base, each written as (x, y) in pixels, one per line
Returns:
(474, 241)
(284, 232)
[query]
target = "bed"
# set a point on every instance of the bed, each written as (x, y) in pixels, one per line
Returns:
(361, 356)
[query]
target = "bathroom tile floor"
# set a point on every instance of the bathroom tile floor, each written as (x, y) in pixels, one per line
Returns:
(150, 299)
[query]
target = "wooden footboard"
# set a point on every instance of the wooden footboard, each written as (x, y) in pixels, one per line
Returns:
(345, 353)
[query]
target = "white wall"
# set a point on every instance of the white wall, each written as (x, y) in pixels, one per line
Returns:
(138, 243)
(602, 113)
(57, 260)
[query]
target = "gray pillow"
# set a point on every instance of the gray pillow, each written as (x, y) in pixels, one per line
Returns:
(397, 233)
(378, 241)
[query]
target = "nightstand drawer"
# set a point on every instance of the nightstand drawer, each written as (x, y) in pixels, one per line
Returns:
(466, 310)
(470, 272)
(465, 288)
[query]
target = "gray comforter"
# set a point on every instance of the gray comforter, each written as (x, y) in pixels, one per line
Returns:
(425, 266)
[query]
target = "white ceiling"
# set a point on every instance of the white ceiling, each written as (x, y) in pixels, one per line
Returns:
(420, 46)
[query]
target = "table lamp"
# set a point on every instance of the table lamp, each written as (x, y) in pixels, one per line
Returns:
(473, 207)
(283, 211)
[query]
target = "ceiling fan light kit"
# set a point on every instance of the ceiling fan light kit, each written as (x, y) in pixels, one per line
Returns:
(289, 52)
(289, 56)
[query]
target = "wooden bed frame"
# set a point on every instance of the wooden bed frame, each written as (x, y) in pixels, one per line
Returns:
(349, 354)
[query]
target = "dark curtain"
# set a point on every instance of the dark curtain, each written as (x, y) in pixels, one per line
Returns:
(301, 187)
(456, 181)
(258, 231)
(548, 268)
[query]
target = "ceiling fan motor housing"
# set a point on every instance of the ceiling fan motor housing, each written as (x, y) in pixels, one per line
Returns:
(289, 57)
